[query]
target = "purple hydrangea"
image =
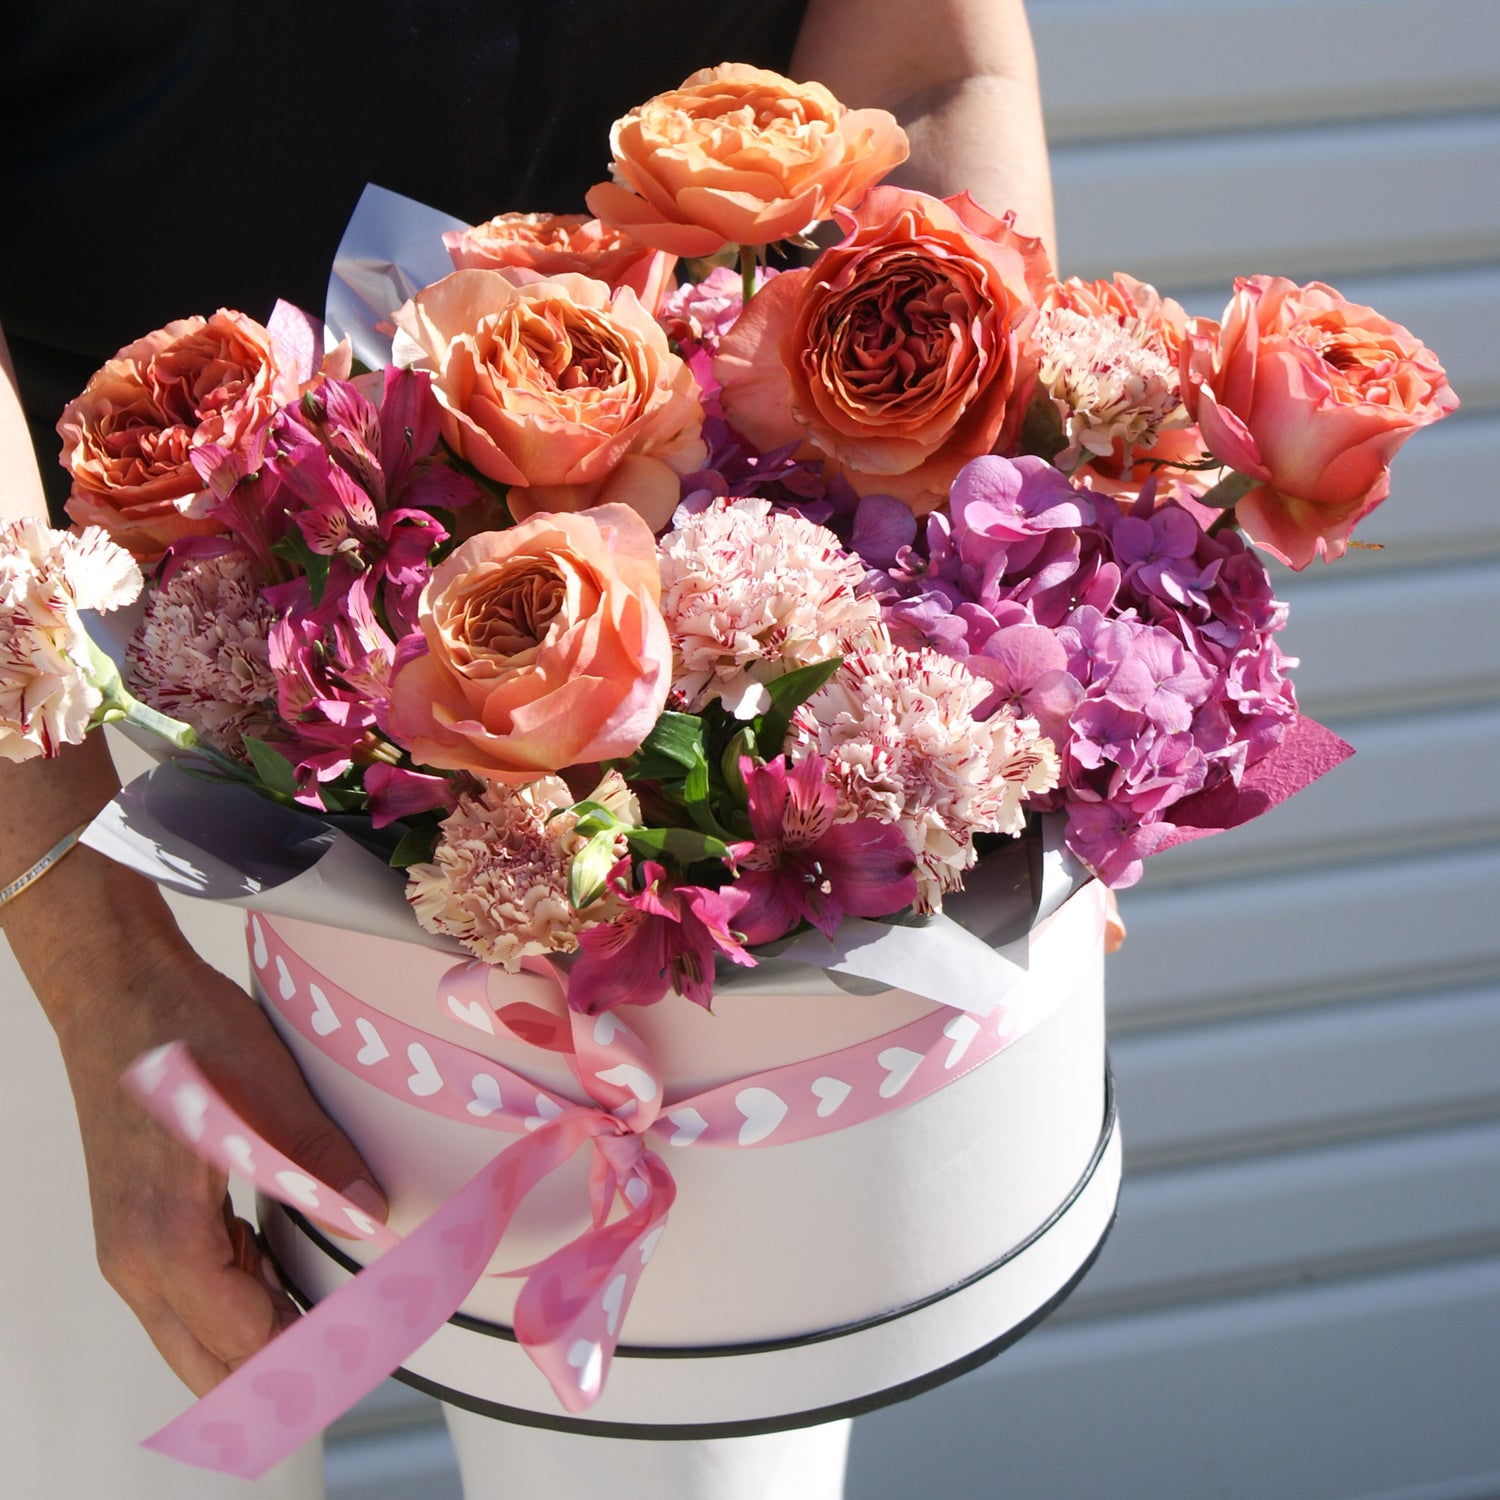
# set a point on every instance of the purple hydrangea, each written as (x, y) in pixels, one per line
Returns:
(1143, 646)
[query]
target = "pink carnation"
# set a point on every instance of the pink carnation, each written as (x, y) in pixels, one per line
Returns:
(46, 577)
(1114, 388)
(498, 879)
(902, 745)
(200, 654)
(748, 594)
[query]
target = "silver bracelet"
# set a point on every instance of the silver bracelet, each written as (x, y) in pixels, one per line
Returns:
(40, 868)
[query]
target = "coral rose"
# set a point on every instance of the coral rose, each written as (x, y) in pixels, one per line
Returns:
(551, 244)
(895, 356)
(739, 155)
(559, 388)
(128, 439)
(1309, 397)
(544, 648)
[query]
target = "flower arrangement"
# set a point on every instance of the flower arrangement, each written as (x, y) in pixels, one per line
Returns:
(650, 610)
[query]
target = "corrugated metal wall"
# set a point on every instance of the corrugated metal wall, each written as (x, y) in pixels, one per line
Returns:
(1300, 1297)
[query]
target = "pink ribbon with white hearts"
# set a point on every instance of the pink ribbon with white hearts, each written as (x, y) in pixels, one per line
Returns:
(573, 1302)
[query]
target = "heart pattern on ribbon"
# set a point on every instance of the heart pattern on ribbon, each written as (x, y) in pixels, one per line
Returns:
(425, 1078)
(486, 1091)
(374, 1049)
(324, 1017)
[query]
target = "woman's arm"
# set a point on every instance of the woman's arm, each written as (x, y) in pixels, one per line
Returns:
(115, 976)
(960, 75)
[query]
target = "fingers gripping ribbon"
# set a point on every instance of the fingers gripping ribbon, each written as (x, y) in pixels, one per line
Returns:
(570, 1309)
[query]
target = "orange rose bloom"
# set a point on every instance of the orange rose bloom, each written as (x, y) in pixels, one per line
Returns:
(545, 648)
(896, 355)
(558, 388)
(128, 438)
(739, 155)
(1309, 396)
(550, 244)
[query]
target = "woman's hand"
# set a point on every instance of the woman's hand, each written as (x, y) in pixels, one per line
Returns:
(167, 1239)
(117, 978)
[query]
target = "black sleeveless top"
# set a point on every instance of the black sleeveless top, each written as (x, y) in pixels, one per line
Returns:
(160, 158)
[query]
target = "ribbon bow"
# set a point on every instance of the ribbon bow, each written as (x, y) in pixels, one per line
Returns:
(570, 1307)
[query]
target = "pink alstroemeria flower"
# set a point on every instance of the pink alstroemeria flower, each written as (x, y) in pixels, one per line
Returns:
(803, 866)
(333, 673)
(397, 793)
(668, 938)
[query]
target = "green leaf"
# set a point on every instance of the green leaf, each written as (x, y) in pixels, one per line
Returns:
(670, 751)
(277, 774)
(591, 818)
(292, 545)
(343, 799)
(677, 738)
(684, 845)
(696, 796)
(590, 867)
(742, 744)
(416, 846)
(787, 694)
(1228, 492)
(1042, 430)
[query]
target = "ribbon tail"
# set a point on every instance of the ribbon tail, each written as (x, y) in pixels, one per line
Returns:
(569, 1313)
(314, 1371)
(173, 1090)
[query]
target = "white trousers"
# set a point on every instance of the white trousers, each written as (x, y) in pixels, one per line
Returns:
(80, 1384)
(498, 1460)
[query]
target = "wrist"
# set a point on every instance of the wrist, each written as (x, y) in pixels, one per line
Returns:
(46, 797)
(80, 930)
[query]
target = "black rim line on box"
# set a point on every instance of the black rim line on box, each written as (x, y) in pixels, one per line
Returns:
(760, 1346)
(679, 1432)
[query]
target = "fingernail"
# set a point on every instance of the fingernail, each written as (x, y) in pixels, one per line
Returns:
(366, 1197)
(268, 1275)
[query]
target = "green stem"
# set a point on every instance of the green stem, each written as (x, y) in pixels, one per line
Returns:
(173, 731)
(747, 271)
(119, 703)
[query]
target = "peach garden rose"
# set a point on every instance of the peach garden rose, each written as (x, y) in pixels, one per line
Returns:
(897, 356)
(558, 387)
(552, 243)
(128, 439)
(739, 155)
(1308, 397)
(542, 647)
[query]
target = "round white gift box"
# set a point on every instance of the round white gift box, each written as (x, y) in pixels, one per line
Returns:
(794, 1283)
